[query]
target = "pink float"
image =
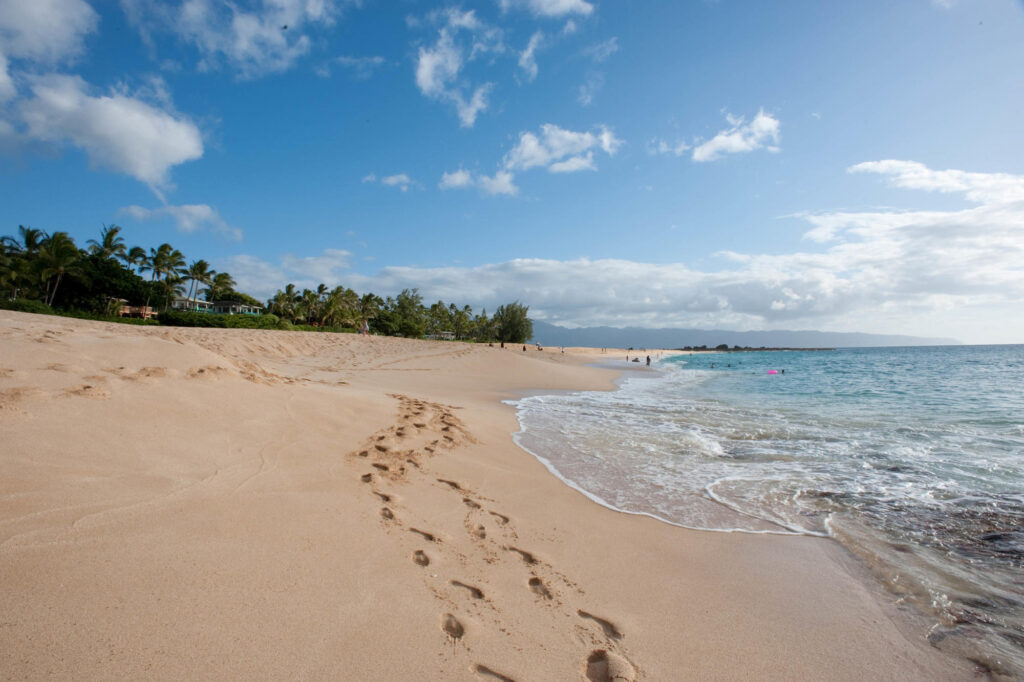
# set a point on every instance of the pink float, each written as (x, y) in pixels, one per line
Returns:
(773, 371)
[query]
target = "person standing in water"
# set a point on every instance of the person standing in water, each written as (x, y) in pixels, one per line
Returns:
(648, 360)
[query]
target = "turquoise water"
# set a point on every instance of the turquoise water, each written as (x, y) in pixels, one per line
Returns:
(913, 458)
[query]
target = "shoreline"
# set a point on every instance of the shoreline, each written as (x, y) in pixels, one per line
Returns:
(198, 498)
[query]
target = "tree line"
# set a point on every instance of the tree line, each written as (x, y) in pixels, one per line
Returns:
(36, 266)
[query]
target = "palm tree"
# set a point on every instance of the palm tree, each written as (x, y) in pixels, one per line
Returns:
(309, 306)
(164, 262)
(218, 288)
(173, 284)
(461, 319)
(341, 307)
(110, 243)
(283, 303)
(28, 243)
(198, 273)
(135, 258)
(368, 308)
(57, 256)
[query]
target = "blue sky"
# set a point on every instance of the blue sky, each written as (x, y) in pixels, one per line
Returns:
(741, 165)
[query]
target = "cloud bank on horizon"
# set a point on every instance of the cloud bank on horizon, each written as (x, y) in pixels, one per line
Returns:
(255, 129)
(876, 264)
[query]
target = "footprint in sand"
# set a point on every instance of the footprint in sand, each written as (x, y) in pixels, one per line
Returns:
(452, 627)
(475, 592)
(366, 478)
(87, 391)
(382, 467)
(429, 537)
(452, 484)
(484, 671)
(480, 532)
(382, 496)
(606, 666)
(528, 558)
(420, 557)
(502, 519)
(387, 513)
(470, 503)
(539, 588)
(610, 631)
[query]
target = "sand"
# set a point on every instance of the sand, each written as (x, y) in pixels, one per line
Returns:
(241, 504)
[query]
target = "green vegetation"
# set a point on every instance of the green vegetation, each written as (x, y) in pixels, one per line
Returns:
(511, 323)
(48, 274)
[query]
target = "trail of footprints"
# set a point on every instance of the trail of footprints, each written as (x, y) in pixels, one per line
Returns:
(423, 430)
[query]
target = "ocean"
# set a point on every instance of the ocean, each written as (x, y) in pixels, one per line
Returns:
(912, 458)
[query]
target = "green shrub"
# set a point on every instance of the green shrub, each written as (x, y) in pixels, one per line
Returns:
(180, 318)
(27, 305)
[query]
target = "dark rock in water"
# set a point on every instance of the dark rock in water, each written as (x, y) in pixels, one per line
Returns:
(1004, 542)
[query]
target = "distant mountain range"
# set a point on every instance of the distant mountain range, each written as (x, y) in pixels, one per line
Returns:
(638, 337)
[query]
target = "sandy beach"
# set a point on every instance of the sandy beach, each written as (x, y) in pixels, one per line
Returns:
(243, 504)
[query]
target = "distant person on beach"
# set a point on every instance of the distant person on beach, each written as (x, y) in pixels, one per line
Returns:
(524, 347)
(648, 360)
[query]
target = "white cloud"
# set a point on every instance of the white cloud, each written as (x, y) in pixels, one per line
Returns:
(45, 31)
(662, 146)
(760, 133)
(468, 110)
(528, 57)
(941, 273)
(439, 65)
(557, 146)
(601, 51)
(982, 188)
(187, 218)
(323, 268)
(501, 182)
(7, 88)
(399, 180)
(550, 8)
(269, 38)
(117, 131)
(592, 83)
(261, 278)
(569, 28)
(456, 179)
(557, 149)
(574, 163)
(360, 67)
